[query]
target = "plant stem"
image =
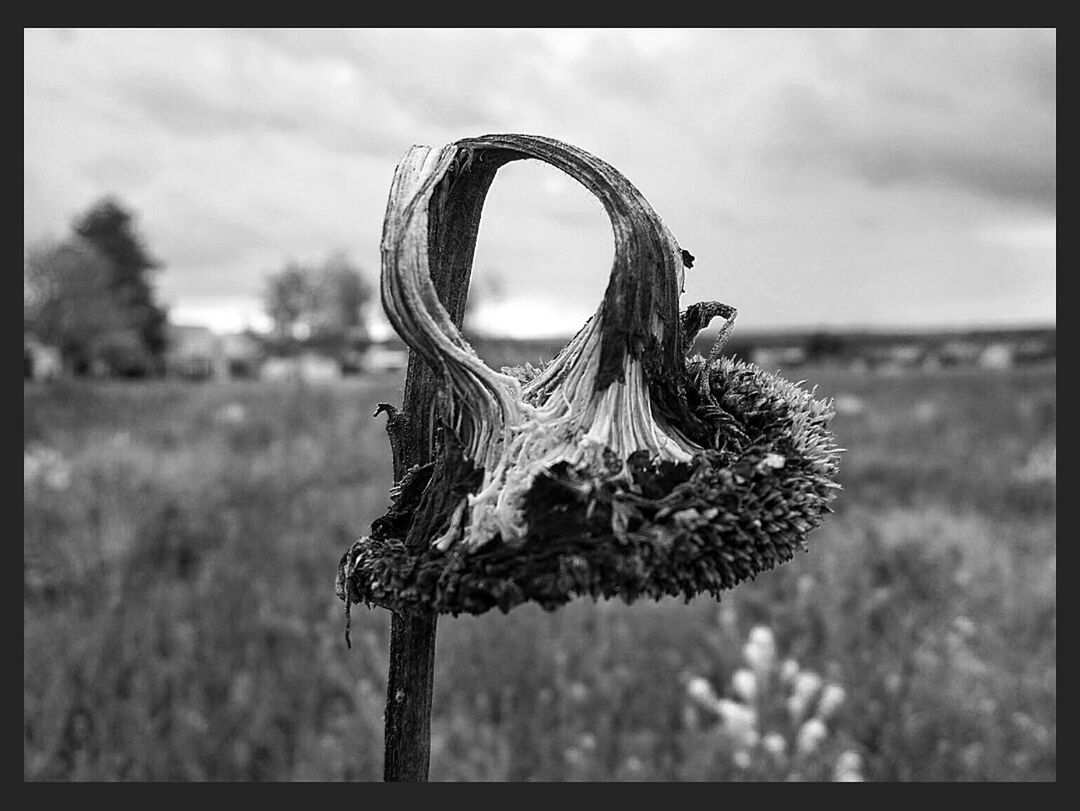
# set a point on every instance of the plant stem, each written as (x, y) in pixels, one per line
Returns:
(452, 235)
(408, 697)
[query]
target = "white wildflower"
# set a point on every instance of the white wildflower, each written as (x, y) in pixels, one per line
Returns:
(744, 684)
(810, 736)
(804, 689)
(760, 648)
(741, 758)
(807, 683)
(702, 692)
(775, 744)
(832, 696)
(796, 707)
(789, 670)
(848, 768)
(739, 722)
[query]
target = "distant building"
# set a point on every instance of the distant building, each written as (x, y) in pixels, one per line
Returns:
(996, 356)
(1036, 350)
(243, 355)
(194, 353)
(199, 353)
(379, 358)
(769, 357)
(307, 366)
(931, 362)
(906, 354)
(959, 353)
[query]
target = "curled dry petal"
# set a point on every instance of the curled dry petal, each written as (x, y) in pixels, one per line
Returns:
(596, 397)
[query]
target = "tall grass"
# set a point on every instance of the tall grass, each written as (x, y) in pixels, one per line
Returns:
(180, 544)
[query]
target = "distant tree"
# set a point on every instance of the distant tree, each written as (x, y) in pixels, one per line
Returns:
(69, 303)
(821, 346)
(324, 304)
(109, 227)
(286, 299)
(340, 299)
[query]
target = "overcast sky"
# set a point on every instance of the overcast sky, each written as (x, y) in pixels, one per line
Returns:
(821, 178)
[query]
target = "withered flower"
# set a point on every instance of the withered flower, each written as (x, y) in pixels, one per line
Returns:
(622, 467)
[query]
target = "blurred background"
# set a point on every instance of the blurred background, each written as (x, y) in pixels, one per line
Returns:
(204, 348)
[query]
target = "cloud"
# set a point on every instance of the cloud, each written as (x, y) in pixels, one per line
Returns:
(617, 67)
(221, 86)
(453, 83)
(766, 151)
(1029, 235)
(974, 110)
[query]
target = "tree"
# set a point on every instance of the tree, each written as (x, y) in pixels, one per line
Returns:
(69, 303)
(286, 299)
(109, 227)
(822, 346)
(322, 304)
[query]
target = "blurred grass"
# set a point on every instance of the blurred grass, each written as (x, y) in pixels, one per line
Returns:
(180, 545)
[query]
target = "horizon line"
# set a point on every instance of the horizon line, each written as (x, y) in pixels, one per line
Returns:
(896, 329)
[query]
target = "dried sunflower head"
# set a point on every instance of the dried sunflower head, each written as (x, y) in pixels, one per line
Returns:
(620, 468)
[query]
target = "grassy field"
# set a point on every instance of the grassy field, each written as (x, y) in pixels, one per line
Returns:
(180, 623)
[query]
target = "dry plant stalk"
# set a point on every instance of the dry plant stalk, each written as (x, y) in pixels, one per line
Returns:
(622, 467)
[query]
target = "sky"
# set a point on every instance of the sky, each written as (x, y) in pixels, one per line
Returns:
(832, 179)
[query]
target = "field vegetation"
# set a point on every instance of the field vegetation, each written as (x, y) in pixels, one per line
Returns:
(180, 623)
